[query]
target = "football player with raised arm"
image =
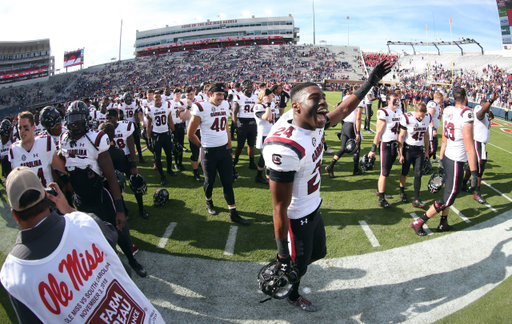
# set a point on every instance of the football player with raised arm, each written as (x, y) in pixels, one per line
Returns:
(386, 136)
(215, 143)
(293, 154)
(457, 148)
(411, 141)
(243, 117)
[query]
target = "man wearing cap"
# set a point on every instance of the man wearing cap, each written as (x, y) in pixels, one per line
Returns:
(57, 262)
(215, 143)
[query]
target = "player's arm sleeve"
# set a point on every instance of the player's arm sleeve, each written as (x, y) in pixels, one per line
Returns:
(281, 163)
(468, 116)
(103, 143)
(23, 313)
(403, 122)
(381, 114)
(195, 110)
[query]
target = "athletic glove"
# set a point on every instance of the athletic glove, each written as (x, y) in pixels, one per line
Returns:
(440, 167)
(284, 264)
(379, 72)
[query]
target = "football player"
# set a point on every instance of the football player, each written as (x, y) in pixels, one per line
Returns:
(243, 117)
(266, 113)
(51, 122)
(5, 132)
(178, 108)
(481, 131)
(38, 127)
(215, 142)
(98, 117)
(413, 137)
(386, 136)
(38, 153)
(194, 149)
(368, 100)
(457, 148)
(130, 109)
(293, 153)
(159, 122)
(85, 153)
(351, 130)
(167, 93)
(434, 109)
(231, 94)
(123, 139)
(202, 94)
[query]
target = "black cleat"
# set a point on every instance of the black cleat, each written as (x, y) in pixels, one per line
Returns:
(418, 203)
(197, 177)
(144, 214)
(478, 197)
(417, 226)
(139, 269)
(172, 173)
(329, 171)
(235, 218)
(357, 172)
(403, 196)
(261, 180)
(444, 227)
(211, 207)
(163, 181)
(384, 203)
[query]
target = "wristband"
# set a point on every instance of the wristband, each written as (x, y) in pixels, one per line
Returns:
(268, 104)
(133, 164)
(374, 148)
(282, 247)
(187, 107)
(491, 102)
(363, 90)
(118, 204)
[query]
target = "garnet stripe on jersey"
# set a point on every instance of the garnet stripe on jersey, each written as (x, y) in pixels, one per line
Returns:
(294, 146)
(199, 106)
(129, 126)
(48, 143)
(463, 110)
(406, 119)
(384, 110)
(98, 138)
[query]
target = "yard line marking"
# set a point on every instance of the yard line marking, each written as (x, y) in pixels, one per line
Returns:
(502, 133)
(490, 207)
(496, 190)
(464, 218)
(499, 148)
(425, 226)
(167, 234)
(230, 244)
(369, 234)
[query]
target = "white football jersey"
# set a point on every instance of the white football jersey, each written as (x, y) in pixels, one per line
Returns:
(351, 118)
(145, 104)
(454, 120)
(201, 96)
(289, 148)
(415, 129)
(84, 152)
(392, 120)
(264, 126)
(436, 118)
(38, 129)
(367, 98)
(129, 111)
(159, 117)
(168, 98)
(99, 116)
(39, 158)
(214, 122)
(176, 108)
(4, 150)
(123, 130)
(246, 104)
(481, 128)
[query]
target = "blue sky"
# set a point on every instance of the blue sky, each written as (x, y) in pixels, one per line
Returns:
(95, 24)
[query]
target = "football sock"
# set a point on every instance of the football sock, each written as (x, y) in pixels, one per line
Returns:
(444, 218)
(402, 190)
(294, 295)
(258, 174)
(417, 186)
(331, 165)
(425, 217)
(381, 195)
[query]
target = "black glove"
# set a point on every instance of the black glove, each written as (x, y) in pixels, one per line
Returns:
(379, 72)
(440, 167)
(284, 264)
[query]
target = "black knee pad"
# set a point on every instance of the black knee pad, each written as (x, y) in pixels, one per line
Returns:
(194, 158)
(439, 205)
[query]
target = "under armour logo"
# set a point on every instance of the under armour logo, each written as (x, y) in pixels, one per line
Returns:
(304, 221)
(283, 267)
(441, 227)
(36, 155)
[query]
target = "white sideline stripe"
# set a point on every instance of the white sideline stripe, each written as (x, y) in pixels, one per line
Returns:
(425, 226)
(501, 132)
(490, 207)
(499, 148)
(369, 234)
(167, 234)
(230, 244)
(464, 218)
(496, 190)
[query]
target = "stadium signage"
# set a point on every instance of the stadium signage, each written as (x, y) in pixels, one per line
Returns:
(212, 41)
(210, 23)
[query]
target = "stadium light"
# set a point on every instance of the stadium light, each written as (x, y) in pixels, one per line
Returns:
(348, 31)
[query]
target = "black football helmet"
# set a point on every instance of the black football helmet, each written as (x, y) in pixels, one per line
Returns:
(436, 182)
(366, 163)
(427, 167)
(177, 148)
(5, 127)
(351, 146)
(128, 98)
(276, 283)
(161, 197)
(138, 184)
(77, 117)
(50, 117)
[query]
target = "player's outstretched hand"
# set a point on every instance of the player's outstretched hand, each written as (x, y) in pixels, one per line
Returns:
(379, 72)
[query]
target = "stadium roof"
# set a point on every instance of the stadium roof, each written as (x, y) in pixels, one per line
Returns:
(25, 47)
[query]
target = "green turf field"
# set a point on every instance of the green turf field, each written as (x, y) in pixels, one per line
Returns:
(347, 200)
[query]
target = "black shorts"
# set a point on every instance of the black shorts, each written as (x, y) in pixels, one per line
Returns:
(387, 157)
(453, 177)
(413, 155)
(481, 157)
(247, 130)
(307, 239)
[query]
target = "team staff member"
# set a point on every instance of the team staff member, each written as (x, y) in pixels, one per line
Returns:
(388, 128)
(243, 116)
(215, 143)
(351, 129)
(131, 109)
(293, 153)
(40, 259)
(413, 135)
(434, 109)
(159, 122)
(266, 113)
(457, 148)
(481, 130)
